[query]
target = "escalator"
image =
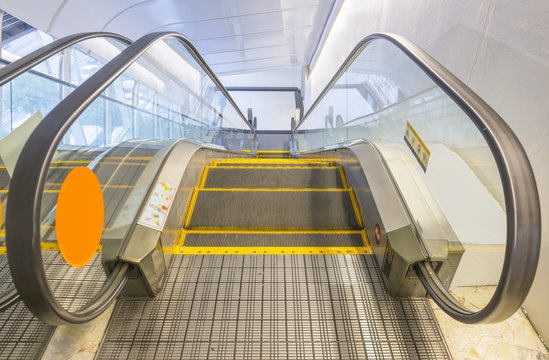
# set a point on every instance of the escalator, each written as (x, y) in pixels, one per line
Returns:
(217, 248)
(35, 70)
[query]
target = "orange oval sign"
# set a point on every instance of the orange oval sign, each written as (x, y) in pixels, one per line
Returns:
(79, 216)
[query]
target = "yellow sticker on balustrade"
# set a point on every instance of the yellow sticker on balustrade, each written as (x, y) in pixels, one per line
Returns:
(418, 147)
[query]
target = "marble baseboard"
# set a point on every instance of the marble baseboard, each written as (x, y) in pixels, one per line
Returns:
(78, 342)
(513, 339)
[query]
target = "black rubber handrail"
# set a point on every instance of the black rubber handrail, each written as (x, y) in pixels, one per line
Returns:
(26, 188)
(13, 69)
(519, 186)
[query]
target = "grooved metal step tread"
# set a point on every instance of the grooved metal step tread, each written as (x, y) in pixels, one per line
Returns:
(286, 239)
(318, 177)
(273, 210)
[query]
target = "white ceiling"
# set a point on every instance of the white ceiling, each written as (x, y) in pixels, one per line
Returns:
(235, 37)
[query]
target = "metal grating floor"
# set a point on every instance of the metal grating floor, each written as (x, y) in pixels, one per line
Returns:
(22, 336)
(273, 307)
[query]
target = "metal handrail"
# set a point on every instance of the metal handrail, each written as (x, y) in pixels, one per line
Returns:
(27, 185)
(11, 70)
(519, 186)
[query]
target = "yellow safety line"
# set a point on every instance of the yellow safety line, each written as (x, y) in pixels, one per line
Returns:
(71, 161)
(46, 246)
(181, 237)
(273, 189)
(103, 186)
(355, 206)
(53, 227)
(365, 238)
(265, 229)
(204, 176)
(201, 177)
(123, 163)
(2, 167)
(274, 151)
(271, 250)
(246, 150)
(249, 231)
(191, 207)
(272, 161)
(343, 177)
(273, 167)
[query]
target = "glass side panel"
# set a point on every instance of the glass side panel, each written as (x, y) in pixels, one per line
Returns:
(49, 82)
(123, 136)
(438, 157)
(29, 97)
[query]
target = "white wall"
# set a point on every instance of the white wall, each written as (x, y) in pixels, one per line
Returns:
(273, 110)
(500, 48)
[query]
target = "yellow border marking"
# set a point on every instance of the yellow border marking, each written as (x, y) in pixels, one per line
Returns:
(266, 229)
(71, 161)
(355, 206)
(103, 186)
(273, 151)
(274, 161)
(273, 167)
(53, 227)
(249, 231)
(365, 238)
(343, 177)
(204, 176)
(191, 207)
(181, 237)
(46, 246)
(271, 250)
(273, 189)
(118, 186)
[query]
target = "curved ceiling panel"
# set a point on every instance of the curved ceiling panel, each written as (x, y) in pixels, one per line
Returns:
(244, 35)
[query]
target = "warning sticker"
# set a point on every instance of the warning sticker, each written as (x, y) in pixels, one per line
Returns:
(156, 210)
(418, 147)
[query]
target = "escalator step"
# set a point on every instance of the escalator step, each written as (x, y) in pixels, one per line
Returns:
(286, 178)
(282, 239)
(259, 163)
(274, 162)
(272, 210)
